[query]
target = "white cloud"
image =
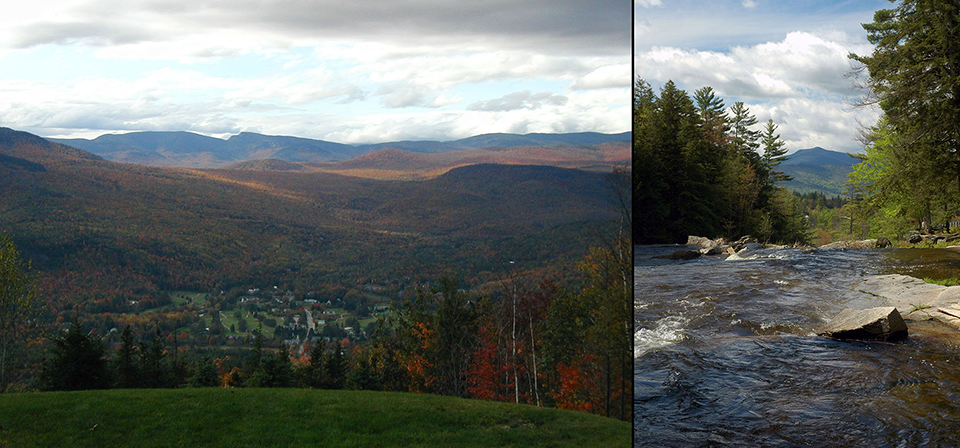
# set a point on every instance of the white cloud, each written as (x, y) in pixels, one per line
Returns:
(749, 4)
(520, 100)
(84, 66)
(798, 81)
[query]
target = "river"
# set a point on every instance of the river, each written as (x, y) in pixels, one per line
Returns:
(726, 353)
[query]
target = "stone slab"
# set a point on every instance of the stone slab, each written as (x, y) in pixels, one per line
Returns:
(873, 324)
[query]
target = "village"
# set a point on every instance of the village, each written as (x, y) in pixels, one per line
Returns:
(232, 318)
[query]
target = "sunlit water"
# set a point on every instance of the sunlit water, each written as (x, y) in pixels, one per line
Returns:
(726, 354)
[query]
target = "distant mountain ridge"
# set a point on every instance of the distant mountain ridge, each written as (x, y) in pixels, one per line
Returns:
(818, 169)
(190, 150)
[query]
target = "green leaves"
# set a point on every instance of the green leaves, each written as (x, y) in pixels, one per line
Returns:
(915, 76)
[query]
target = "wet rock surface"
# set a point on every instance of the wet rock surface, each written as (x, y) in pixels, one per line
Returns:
(873, 324)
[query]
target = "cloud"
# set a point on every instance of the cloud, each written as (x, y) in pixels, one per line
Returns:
(308, 67)
(798, 81)
(520, 100)
(800, 61)
(749, 4)
(567, 26)
(805, 122)
(607, 76)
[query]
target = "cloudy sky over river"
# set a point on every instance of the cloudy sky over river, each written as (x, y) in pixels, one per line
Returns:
(340, 71)
(785, 60)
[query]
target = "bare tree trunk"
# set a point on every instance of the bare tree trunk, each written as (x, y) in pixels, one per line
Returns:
(513, 349)
(533, 349)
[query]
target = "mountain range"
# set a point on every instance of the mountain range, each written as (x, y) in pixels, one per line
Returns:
(818, 169)
(189, 150)
(102, 234)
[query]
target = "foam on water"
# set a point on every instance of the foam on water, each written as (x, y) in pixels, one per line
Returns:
(668, 330)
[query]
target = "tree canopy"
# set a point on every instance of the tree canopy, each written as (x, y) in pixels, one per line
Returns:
(913, 154)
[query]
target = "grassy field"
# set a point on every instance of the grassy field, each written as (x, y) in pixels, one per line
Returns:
(216, 417)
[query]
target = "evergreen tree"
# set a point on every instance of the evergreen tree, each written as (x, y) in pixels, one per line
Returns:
(125, 363)
(361, 376)
(650, 188)
(278, 370)
(713, 117)
(204, 374)
(743, 139)
(76, 363)
(313, 373)
(334, 368)
(774, 153)
(151, 366)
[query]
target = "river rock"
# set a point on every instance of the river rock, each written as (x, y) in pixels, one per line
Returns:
(701, 241)
(914, 238)
(715, 250)
(873, 324)
(740, 244)
(682, 254)
(883, 243)
(863, 244)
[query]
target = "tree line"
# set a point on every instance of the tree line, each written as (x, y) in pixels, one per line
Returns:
(702, 169)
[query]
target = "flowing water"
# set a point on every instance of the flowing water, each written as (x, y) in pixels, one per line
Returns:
(726, 353)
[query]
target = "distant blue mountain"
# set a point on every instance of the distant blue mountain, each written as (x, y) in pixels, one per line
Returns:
(818, 169)
(186, 149)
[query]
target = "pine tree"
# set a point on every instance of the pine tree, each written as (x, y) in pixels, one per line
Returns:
(744, 140)
(914, 76)
(774, 153)
(151, 367)
(314, 371)
(334, 368)
(125, 364)
(76, 363)
(204, 374)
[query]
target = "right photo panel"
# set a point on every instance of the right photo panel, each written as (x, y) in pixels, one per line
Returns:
(796, 198)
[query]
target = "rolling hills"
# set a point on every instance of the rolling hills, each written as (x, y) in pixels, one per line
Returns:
(189, 150)
(104, 235)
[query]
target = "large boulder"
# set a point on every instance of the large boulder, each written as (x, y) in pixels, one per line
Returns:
(873, 324)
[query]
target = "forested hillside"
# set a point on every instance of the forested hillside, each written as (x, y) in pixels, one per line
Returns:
(703, 169)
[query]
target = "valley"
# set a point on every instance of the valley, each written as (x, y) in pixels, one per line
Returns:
(209, 258)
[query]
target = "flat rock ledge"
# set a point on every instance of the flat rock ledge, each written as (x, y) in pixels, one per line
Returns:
(874, 324)
(915, 299)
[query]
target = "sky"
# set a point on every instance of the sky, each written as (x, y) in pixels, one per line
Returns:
(786, 61)
(342, 71)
